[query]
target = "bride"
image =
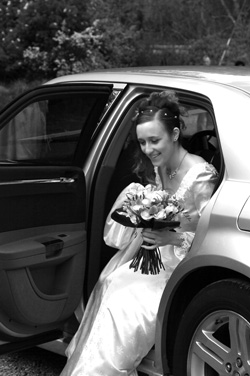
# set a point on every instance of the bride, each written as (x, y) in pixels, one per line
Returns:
(118, 327)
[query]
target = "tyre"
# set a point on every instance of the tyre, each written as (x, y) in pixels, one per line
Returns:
(213, 337)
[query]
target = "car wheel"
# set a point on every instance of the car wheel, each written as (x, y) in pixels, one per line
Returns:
(213, 337)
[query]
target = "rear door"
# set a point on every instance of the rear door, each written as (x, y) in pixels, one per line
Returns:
(44, 138)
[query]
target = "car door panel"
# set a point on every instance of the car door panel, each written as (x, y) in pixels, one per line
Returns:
(43, 240)
(40, 268)
(40, 196)
(29, 278)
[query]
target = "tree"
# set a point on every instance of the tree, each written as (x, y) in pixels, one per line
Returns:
(100, 44)
(34, 24)
(50, 37)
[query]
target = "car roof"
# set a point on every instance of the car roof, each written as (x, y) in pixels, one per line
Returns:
(238, 77)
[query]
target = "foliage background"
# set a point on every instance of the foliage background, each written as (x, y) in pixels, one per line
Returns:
(42, 39)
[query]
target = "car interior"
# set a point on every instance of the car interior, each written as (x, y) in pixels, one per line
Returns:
(30, 152)
(198, 137)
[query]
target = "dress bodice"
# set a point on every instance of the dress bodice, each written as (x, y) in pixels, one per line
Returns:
(193, 192)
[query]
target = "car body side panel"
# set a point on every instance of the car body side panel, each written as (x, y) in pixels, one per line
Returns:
(220, 249)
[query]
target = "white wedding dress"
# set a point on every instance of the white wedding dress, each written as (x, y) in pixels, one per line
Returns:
(118, 327)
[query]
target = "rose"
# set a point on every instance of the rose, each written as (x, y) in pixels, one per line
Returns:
(149, 213)
(160, 215)
(171, 209)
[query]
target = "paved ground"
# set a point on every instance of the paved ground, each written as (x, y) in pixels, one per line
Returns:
(32, 362)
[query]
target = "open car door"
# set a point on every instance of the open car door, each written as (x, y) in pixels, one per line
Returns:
(44, 138)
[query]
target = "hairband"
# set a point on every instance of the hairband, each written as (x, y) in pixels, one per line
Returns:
(167, 113)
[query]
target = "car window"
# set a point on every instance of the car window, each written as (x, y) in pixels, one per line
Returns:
(196, 119)
(198, 137)
(48, 131)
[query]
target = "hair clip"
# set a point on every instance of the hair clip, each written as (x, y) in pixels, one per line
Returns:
(146, 110)
(170, 115)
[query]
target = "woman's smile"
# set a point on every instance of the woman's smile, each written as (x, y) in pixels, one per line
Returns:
(154, 156)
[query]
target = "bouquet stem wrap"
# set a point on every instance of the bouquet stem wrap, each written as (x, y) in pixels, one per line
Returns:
(149, 261)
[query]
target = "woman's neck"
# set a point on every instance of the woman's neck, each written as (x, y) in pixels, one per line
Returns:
(175, 160)
(169, 174)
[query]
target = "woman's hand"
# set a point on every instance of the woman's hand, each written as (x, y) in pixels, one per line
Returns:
(158, 238)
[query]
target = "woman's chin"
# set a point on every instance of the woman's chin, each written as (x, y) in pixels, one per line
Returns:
(156, 162)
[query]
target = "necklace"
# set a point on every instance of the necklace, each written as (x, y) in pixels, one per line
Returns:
(170, 174)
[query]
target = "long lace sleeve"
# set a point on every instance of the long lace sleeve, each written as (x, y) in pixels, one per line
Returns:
(187, 239)
(116, 235)
(200, 191)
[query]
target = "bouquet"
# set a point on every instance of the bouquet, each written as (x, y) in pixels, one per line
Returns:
(146, 207)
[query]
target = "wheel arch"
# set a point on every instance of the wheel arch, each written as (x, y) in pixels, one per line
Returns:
(177, 303)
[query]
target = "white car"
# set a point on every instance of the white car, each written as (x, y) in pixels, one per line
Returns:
(65, 155)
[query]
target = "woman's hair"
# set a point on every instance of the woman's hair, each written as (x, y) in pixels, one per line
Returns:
(163, 106)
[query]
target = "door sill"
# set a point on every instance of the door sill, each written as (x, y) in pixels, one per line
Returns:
(7, 347)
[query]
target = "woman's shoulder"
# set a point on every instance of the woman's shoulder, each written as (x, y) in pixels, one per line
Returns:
(193, 159)
(198, 164)
(202, 172)
(197, 168)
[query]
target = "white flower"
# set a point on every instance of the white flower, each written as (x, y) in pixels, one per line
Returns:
(171, 209)
(146, 202)
(160, 215)
(134, 219)
(145, 215)
(136, 208)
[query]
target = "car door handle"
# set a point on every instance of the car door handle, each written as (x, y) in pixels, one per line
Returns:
(53, 247)
(62, 180)
(244, 217)
(56, 180)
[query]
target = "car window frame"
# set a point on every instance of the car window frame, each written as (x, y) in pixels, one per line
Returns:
(118, 132)
(53, 91)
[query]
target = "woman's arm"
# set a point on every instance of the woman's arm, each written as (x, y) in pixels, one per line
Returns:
(202, 189)
(162, 237)
(116, 235)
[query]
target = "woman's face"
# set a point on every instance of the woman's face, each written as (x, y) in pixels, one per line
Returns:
(155, 142)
